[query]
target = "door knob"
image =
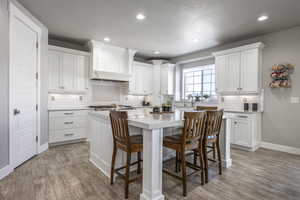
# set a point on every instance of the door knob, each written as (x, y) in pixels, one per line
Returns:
(16, 111)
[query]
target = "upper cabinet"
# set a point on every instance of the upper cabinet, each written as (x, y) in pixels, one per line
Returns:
(148, 79)
(68, 70)
(142, 79)
(110, 62)
(238, 70)
(167, 77)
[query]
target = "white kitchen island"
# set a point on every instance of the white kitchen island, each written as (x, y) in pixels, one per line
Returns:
(153, 127)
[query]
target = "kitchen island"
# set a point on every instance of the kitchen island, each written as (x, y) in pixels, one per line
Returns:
(153, 127)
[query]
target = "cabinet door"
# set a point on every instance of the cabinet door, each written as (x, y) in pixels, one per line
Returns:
(139, 80)
(243, 132)
(81, 73)
(250, 71)
(68, 71)
(148, 80)
(54, 63)
(167, 79)
(233, 127)
(232, 73)
(164, 73)
(220, 73)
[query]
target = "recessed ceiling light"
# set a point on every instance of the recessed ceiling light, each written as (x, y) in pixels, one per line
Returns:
(263, 18)
(140, 16)
(106, 39)
(156, 52)
(196, 40)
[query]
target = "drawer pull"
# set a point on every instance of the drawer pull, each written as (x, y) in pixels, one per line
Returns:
(69, 134)
(69, 123)
(68, 113)
(242, 116)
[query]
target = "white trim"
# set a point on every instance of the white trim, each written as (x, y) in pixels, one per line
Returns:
(257, 45)
(43, 147)
(67, 50)
(195, 60)
(5, 171)
(100, 164)
(278, 147)
(17, 11)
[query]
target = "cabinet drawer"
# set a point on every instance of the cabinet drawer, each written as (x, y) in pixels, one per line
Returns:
(62, 123)
(68, 113)
(66, 135)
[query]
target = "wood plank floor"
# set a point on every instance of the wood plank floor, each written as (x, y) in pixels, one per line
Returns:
(64, 173)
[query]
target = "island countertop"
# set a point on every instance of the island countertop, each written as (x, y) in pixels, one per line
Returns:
(142, 118)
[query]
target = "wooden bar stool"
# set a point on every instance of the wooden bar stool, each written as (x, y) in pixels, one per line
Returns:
(211, 140)
(194, 123)
(129, 144)
(207, 108)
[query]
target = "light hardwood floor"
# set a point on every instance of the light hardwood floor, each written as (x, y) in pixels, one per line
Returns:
(64, 173)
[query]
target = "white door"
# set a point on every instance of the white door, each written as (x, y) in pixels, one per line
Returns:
(164, 80)
(220, 73)
(54, 65)
(23, 87)
(81, 73)
(68, 71)
(148, 80)
(139, 76)
(232, 73)
(233, 127)
(243, 132)
(249, 71)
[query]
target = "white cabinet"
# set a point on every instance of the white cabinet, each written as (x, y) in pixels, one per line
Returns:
(68, 125)
(68, 70)
(238, 70)
(167, 74)
(142, 81)
(245, 130)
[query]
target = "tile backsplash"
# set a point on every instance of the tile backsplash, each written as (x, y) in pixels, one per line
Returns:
(236, 103)
(67, 100)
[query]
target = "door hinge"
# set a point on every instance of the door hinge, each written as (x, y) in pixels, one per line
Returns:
(37, 45)
(36, 76)
(36, 107)
(36, 138)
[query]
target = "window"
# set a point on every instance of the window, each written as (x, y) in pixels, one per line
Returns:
(199, 81)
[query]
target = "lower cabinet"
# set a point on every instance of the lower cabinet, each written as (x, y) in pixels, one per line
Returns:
(65, 126)
(245, 130)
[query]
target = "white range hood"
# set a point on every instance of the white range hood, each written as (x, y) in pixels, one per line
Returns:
(110, 63)
(110, 76)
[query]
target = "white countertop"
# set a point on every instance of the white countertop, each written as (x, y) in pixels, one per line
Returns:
(68, 108)
(143, 118)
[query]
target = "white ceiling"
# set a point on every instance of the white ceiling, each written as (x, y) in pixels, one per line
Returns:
(170, 26)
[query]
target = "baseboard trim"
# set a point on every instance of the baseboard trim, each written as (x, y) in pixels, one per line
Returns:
(282, 148)
(43, 148)
(5, 171)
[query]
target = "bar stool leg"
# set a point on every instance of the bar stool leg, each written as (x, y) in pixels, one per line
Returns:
(113, 160)
(127, 174)
(139, 162)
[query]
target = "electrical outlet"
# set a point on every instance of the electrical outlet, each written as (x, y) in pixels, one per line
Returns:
(294, 99)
